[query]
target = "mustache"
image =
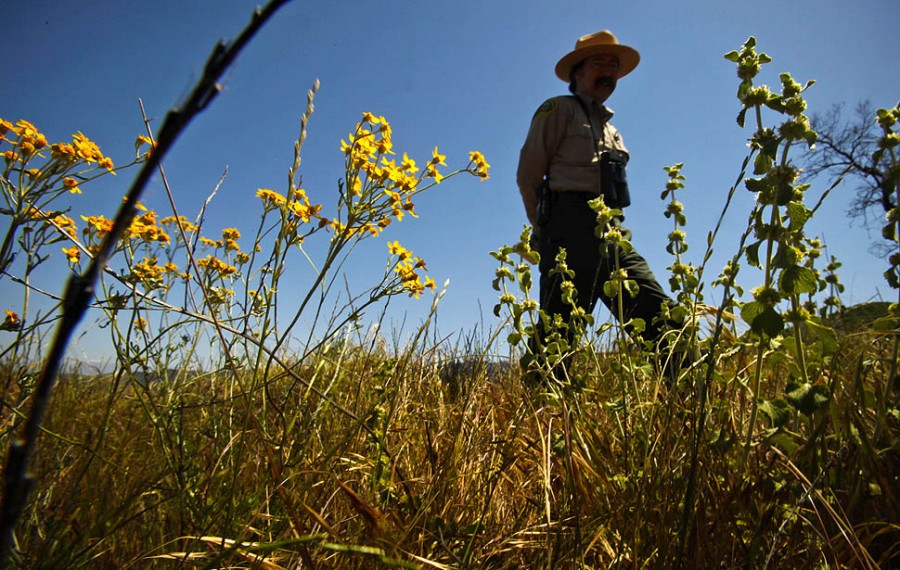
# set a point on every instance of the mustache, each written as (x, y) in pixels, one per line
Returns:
(606, 82)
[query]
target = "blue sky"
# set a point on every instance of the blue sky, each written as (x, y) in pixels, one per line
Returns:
(461, 75)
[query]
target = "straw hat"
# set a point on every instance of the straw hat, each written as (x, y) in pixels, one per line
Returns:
(603, 42)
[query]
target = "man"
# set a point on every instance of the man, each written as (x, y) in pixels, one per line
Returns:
(569, 138)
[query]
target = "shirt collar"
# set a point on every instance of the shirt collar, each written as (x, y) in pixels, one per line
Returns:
(605, 112)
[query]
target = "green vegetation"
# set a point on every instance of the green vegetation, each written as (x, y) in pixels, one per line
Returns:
(776, 446)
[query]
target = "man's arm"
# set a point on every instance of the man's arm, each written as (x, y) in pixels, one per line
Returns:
(546, 130)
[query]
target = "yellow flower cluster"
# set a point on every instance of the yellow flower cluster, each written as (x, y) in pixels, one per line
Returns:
(214, 264)
(144, 227)
(478, 165)
(12, 322)
(29, 141)
(366, 151)
(150, 273)
(406, 269)
(148, 270)
(28, 138)
(379, 189)
(88, 151)
(60, 220)
(98, 224)
(187, 225)
(73, 254)
(140, 142)
(301, 207)
(230, 237)
(271, 199)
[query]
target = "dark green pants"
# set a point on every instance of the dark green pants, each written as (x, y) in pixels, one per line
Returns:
(571, 226)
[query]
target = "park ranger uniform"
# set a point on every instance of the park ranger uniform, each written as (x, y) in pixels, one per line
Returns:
(564, 147)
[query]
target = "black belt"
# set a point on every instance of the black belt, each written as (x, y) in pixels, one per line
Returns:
(579, 194)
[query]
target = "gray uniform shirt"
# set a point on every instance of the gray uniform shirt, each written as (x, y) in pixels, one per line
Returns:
(560, 145)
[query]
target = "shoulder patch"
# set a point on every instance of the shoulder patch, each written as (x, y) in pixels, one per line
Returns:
(548, 107)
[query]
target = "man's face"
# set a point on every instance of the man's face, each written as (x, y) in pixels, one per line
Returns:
(597, 77)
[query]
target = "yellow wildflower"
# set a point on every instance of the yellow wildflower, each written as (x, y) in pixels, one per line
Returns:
(141, 141)
(140, 324)
(186, 225)
(337, 226)
(395, 248)
(213, 263)
(107, 163)
(12, 322)
(5, 127)
(72, 185)
(66, 224)
(408, 206)
(31, 139)
(85, 148)
(63, 152)
(231, 234)
(408, 164)
(481, 166)
(73, 254)
(304, 210)
(207, 241)
(139, 206)
(437, 158)
(432, 172)
(10, 155)
(148, 271)
(98, 223)
(145, 228)
(384, 144)
(271, 199)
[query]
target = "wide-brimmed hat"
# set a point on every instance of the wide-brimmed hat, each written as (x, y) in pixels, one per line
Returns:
(603, 42)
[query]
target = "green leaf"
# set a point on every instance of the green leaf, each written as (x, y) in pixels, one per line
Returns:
(799, 214)
(753, 254)
(823, 336)
(891, 277)
(631, 287)
(611, 289)
(775, 103)
(741, 118)
(733, 55)
(784, 441)
(763, 163)
(756, 184)
(763, 320)
(798, 280)
(807, 398)
(497, 310)
(777, 411)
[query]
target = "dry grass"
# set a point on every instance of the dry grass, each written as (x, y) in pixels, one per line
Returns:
(187, 474)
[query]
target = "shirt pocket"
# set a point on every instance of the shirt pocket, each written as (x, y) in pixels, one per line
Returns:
(578, 146)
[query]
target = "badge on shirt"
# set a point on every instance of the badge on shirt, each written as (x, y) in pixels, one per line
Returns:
(549, 106)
